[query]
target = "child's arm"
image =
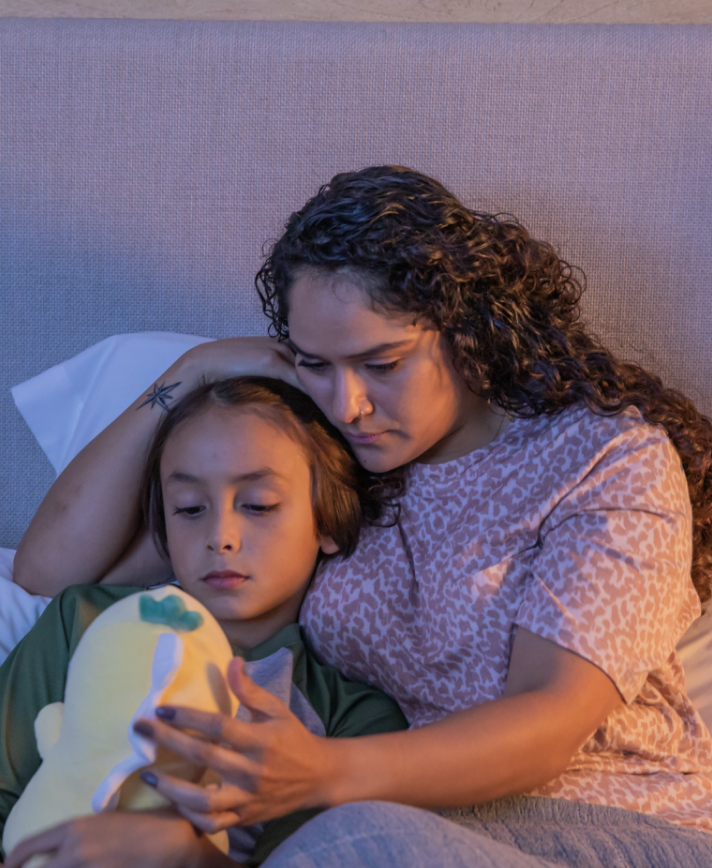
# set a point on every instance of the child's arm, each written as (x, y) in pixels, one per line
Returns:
(32, 676)
(116, 840)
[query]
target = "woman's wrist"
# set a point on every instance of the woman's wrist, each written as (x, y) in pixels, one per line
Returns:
(343, 776)
(175, 382)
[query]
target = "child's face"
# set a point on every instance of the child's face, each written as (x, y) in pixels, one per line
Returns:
(239, 520)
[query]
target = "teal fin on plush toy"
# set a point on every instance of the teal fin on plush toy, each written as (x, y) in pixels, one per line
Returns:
(170, 611)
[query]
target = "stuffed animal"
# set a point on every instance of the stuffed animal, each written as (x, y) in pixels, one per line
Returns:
(148, 649)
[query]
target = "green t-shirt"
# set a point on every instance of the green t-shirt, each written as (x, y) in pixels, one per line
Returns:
(35, 673)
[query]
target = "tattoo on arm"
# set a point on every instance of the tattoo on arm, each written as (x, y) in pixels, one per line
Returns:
(159, 395)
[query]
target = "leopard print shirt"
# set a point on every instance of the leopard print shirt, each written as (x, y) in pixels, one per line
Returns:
(576, 527)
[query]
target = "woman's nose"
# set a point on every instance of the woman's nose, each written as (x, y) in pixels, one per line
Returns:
(349, 398)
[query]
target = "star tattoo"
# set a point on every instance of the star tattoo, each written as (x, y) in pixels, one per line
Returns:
(159, 395)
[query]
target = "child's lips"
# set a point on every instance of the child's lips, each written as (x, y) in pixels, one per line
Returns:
(224, 579)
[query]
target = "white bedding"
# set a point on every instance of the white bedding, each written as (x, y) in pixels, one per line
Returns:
(18, 609)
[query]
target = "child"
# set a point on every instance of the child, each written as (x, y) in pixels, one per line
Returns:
(246, 486)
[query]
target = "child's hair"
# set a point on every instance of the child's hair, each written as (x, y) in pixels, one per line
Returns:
(341, 495)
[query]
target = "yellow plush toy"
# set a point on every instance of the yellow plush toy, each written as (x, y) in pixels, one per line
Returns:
(149, 649)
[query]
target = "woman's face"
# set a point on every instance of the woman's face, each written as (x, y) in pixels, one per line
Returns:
(239, 519)
(387, 384)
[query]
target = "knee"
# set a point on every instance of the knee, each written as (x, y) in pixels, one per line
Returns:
(373, 834)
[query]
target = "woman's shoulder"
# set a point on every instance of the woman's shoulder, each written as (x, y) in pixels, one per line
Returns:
(586, 428)
(562, 443)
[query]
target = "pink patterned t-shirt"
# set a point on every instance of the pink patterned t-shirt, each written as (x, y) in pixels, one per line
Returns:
(576, 527)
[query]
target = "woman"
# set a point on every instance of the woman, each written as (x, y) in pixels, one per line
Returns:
(524, 602)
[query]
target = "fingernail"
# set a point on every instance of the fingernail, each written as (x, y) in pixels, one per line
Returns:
(143, 728)
(165, 712)
(149, 778)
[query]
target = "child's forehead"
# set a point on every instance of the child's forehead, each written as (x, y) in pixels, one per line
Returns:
(241, 436)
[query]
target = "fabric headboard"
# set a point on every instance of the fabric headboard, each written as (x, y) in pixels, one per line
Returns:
(145, 163)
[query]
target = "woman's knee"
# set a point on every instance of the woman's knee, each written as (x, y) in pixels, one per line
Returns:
(374, 834)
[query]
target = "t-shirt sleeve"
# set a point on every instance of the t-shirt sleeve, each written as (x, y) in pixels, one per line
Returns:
(34, 675)
(359, 709)
(611, 579)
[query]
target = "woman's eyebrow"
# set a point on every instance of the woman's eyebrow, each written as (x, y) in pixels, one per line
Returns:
(371, 351)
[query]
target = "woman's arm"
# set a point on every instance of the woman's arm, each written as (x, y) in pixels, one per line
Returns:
(553, 702)
(91, 514)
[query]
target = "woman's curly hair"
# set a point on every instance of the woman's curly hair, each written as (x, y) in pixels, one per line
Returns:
(507, 305)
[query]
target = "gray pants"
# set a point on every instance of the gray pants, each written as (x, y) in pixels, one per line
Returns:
(518, 832)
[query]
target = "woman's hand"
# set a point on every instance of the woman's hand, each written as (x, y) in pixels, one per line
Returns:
(269, 767)
(120, 840)
(238, 357)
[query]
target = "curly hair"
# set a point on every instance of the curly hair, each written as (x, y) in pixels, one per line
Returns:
(341, 489)
(506, 304)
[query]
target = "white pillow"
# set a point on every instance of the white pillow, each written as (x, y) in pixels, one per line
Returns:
(18, 609)
(68, 405)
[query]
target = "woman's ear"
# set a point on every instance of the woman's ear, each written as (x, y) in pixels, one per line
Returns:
(327, 545)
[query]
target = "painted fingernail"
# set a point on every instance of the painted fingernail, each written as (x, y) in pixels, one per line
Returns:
(143, 728)
(165, 712)
(149, 778)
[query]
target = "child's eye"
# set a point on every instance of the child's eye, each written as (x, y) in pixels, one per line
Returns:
(188, 510)
(260, 508)
(384, 368)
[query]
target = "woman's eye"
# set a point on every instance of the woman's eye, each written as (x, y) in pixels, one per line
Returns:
(383, 368)
(188, 510)
(311, 366)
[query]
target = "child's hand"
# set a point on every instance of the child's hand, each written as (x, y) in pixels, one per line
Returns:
(268, 767)
(117, 840)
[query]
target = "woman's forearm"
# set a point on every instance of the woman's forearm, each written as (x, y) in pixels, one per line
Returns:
(492, 750)
(91, 513)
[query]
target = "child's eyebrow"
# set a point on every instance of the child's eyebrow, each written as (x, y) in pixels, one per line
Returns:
(253, 476)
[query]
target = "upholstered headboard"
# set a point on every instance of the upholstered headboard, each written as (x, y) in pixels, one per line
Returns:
(145, 163)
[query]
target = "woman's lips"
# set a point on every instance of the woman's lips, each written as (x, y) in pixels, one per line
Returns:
(224, 580)
(363, 438)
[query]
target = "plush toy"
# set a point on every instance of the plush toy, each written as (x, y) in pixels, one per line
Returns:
(148, 649)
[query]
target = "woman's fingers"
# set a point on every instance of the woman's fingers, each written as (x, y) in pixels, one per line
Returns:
(256, 699)
(214, 727)
(201, 751)
(210, 823)
(206, 800)
(237, 357)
